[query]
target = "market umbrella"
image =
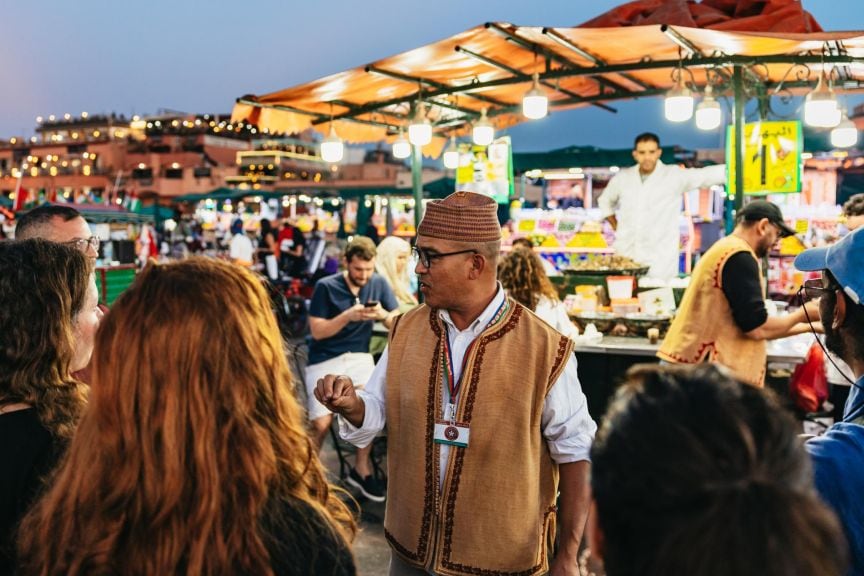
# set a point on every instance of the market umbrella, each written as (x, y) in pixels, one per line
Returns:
(490, 67)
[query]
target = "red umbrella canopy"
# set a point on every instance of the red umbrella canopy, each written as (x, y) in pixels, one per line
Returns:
(786, 16)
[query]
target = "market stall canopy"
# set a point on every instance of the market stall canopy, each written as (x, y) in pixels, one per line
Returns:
(491, 66)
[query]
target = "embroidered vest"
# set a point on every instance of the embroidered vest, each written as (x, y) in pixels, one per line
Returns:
(704, 330)
(495, 512)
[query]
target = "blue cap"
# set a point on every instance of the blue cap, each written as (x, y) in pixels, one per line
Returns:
(845, 261)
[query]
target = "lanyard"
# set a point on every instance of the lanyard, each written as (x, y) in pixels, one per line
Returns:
(453, 385)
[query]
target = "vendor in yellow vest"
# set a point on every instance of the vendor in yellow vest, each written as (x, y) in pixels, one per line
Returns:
(486, 419)
(722, 317)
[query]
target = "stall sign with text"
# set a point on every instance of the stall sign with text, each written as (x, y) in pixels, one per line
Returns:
(772, 157)
(486, 169)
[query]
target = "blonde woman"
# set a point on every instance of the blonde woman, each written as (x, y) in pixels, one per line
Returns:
(392, 265)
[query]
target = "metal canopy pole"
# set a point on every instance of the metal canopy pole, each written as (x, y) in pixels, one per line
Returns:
(417, 181)
(740, 101)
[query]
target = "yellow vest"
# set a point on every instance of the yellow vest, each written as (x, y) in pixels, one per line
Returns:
(495, 513)
(704, 330)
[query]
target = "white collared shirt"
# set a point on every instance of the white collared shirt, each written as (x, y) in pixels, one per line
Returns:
(649, 211)
(567, 426)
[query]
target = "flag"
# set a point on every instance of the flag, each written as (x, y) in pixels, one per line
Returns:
(22, 197)
(131, 202)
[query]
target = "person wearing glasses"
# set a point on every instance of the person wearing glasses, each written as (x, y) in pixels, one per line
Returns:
(61, 224)
(838, 455)
(343, 310)
(486, 419)
(722, 317)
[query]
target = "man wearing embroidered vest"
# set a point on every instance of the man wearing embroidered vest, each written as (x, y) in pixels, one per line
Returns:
(722, 317)
(484, 414)
(838, 456)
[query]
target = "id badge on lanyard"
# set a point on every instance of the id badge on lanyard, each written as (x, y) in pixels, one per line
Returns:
(451, 433)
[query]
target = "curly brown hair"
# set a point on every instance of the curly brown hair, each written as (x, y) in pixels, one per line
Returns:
(522, 276)
(193, 436)
(43, 286)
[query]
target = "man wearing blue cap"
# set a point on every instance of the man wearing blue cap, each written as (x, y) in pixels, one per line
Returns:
(838, 456)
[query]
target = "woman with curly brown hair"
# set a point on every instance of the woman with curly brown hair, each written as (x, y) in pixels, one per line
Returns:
(193, 456)
(48, 317)
(522, 275)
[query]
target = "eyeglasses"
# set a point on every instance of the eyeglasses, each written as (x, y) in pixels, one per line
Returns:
(814, 288)
(83, 243)
(426, 258)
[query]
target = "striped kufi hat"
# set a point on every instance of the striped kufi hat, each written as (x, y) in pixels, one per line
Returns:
(463, 217)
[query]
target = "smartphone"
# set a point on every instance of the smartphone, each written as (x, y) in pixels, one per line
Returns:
(371, 304)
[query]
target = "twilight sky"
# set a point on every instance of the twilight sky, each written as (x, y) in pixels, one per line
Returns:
(101, 56)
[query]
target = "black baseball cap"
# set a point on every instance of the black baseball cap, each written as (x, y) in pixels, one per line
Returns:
(758, 209)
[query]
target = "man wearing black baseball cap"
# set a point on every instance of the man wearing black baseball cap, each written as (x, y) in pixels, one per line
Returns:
(838, 455)
(722, 317)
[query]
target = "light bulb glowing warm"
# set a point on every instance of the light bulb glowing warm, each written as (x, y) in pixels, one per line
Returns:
(820, 107)
(401, 148)
(332, 148)
(678, 106)
(709, 116)
(483, 132)
(535, 104)
(451, 159)
(845, 135)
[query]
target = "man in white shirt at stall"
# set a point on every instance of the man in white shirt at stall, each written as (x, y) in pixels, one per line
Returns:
(643, 205)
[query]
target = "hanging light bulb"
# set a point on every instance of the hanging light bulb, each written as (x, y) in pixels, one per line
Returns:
(332, 148)
(845, 134)
(401, 147)
(679, 101)
(420, 130)
(451, 155)
(483, 132)
(535, 104)
(820, 106)
(708, 112)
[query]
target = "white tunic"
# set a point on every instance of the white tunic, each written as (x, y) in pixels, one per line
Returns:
(565, 422)
(648, 212)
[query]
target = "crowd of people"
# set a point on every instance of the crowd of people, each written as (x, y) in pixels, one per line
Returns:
(167, 435)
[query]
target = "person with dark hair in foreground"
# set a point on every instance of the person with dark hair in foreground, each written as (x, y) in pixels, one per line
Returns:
(193, 457)
(48, 319)
(695, 473)
(838, 456)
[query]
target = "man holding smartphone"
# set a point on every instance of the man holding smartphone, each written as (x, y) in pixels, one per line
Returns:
(343, 310)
